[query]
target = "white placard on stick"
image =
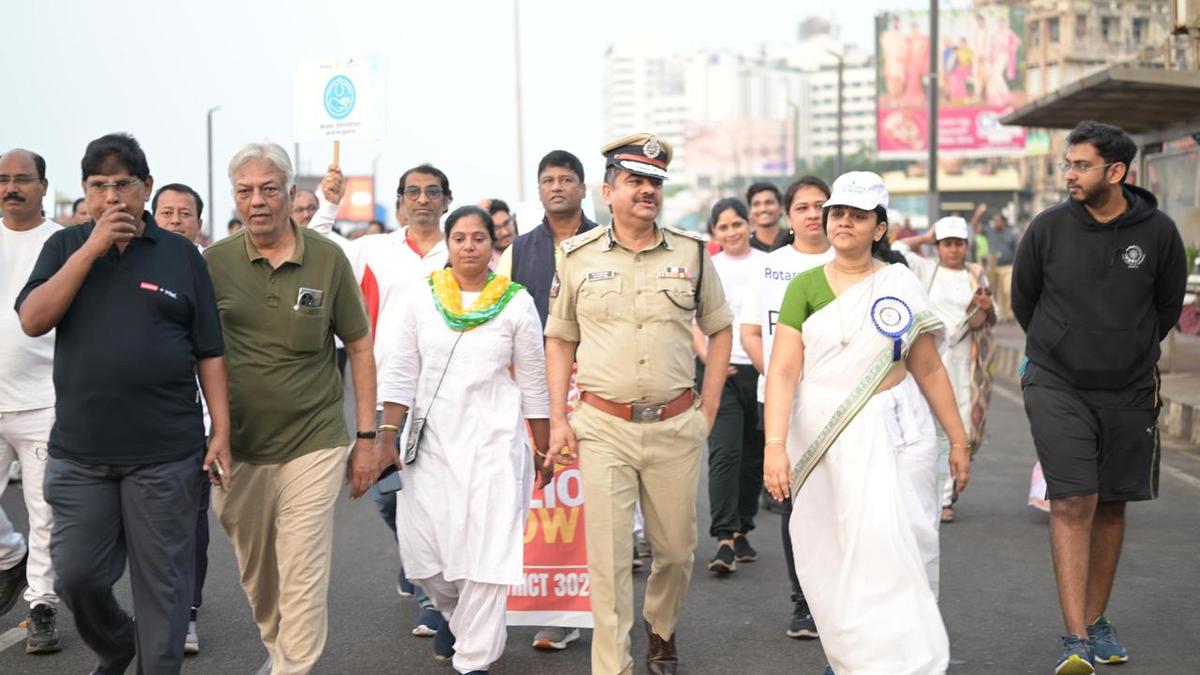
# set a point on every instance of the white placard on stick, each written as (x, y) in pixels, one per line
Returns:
(341, 99)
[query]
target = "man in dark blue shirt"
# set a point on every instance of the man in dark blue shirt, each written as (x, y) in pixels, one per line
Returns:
(136, 322)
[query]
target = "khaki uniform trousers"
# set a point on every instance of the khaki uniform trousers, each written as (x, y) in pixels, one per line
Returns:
(621, 462)
(280, 520)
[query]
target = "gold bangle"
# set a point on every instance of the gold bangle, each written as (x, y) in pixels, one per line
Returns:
(775, 440)
(388, 427)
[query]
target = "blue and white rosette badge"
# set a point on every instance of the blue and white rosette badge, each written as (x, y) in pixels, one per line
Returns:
(893, 318)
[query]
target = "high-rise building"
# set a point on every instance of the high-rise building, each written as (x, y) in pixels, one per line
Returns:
(1068, 40)
(737, 115)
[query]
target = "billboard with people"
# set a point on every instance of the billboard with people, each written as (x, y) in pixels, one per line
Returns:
(981, 71)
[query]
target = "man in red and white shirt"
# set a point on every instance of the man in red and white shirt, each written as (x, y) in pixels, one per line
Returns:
(390, 269)
(388, 265)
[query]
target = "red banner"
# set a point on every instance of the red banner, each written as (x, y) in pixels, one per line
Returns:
(556, 590)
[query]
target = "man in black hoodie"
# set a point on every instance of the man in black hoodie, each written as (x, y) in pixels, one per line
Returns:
(1098, 282)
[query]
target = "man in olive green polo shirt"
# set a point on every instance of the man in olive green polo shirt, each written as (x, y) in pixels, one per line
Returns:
(622, 305)
(283, 293)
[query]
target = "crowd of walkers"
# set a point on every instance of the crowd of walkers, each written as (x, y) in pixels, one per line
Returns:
(839, 368)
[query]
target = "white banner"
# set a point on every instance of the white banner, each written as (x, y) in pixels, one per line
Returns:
(341, 99)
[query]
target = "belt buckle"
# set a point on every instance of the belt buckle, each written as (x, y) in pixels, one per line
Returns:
(647, 412)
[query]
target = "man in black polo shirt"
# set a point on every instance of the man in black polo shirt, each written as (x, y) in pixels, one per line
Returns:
(136, 322)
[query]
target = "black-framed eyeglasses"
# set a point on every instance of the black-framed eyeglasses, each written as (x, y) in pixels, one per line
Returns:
(414, 193)
(123, 186)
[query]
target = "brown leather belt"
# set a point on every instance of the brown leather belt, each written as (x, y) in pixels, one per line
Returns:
(642, 412)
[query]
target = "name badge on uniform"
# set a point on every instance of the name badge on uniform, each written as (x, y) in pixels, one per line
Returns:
(676, 273)
(554, 286)
(601, 276)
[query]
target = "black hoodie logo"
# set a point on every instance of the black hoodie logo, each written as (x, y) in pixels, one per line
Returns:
(1133, 256)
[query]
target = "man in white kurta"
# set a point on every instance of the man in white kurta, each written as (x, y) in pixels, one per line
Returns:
(462, 510)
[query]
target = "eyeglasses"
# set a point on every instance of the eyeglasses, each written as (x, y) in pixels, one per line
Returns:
(123, 186)
(21, 180)
(414, 193)
(1081, 167)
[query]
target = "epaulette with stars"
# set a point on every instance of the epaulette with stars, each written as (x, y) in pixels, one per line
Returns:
(579, 240)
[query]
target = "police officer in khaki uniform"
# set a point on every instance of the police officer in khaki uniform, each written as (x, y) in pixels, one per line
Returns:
(622, 306)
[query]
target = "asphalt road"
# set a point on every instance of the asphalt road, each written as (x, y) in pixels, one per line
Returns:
(998, 592)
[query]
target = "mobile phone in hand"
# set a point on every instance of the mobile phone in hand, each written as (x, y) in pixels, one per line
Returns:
(220, 471)
(389, 481)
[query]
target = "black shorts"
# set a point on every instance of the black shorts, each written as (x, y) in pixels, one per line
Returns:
(1092, 441)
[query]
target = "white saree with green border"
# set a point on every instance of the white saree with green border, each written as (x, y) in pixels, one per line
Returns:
(856, 511)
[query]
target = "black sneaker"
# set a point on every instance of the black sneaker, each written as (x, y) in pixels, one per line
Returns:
(12, 582)
(802, 626)
(443, 642)
(724, 562)
(743, 551)
(42, 634)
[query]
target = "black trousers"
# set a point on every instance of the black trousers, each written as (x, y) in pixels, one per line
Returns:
(735, 456)
(200, 571)
(105, 515)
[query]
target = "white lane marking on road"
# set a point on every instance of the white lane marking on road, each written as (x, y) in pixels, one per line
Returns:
(1009, 394)
(11, 637)
(1185, 478)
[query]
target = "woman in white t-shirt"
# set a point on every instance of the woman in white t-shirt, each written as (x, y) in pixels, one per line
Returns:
(735, 445)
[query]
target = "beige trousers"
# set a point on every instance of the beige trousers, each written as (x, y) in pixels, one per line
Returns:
(280, 520)
(622, 461)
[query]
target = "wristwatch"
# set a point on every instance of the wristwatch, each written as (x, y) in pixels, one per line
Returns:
(365, 435)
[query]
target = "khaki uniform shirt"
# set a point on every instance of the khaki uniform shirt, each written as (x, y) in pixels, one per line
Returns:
(285, 392)
(631, 312)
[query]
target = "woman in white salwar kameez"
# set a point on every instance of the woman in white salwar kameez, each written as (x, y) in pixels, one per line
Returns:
(960, 297)
(469, 362)
(848, 333)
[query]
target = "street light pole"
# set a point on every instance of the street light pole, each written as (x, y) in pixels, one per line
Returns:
(212, 232)
(841, 69)
(795, 136)
(517, 80)
(840, 102)
(934, 94)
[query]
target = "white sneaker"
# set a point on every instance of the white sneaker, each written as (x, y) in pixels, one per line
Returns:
(554, 637)
(191, 644)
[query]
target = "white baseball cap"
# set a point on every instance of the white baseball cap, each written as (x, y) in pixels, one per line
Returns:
(861, 189)
(950, 227)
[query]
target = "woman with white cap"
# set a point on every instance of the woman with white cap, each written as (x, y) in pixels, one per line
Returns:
(959, 295)
(848, 333)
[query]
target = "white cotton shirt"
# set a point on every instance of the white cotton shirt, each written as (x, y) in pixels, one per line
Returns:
(26, 364)
(761, 308)
(738, 276)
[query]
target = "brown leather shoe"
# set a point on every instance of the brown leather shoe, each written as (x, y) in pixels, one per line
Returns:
(660, 657)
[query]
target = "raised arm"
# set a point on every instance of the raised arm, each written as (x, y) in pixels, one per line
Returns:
(55, 281)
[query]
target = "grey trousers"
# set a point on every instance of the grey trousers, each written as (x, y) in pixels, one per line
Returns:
(104, 515)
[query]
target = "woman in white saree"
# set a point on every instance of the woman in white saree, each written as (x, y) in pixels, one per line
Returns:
(469, 363)
(848, 332)
(960, 297)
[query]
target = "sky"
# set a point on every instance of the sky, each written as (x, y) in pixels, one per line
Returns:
(75, 70)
